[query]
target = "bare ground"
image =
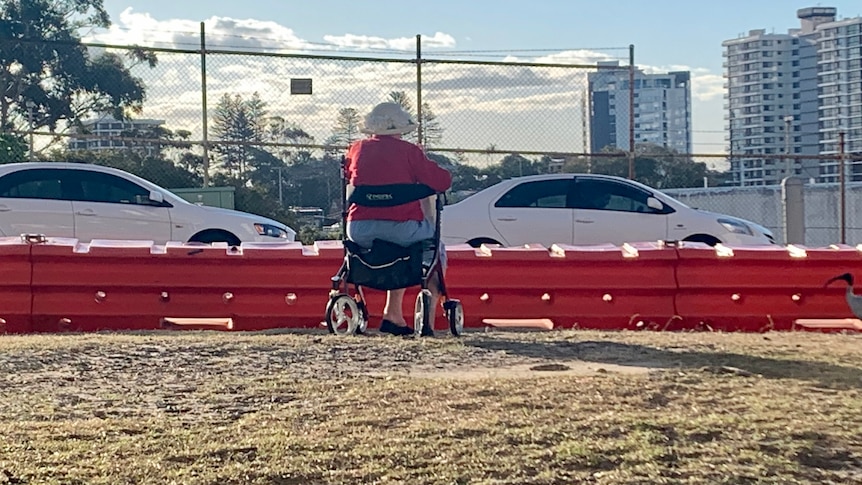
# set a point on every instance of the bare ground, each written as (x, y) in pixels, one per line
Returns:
(498, 407)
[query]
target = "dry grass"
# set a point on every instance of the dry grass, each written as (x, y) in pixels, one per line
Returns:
(562, 407)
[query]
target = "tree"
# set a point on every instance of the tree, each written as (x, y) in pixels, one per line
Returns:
(515, 165)
(153, 168)
(432, 132)
(658, 167)
(46, 71)
(243, 123)
(13, 148)
(401, 99)
(346, 128)
(155, 140)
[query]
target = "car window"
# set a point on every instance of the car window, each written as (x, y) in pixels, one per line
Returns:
(34, 184)
(595, 194)
(542, 193)
(104, 187)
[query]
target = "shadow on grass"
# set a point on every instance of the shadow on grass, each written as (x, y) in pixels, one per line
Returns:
(822, 373)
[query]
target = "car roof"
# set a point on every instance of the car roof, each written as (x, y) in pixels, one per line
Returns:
(564, 175)
(13, 167)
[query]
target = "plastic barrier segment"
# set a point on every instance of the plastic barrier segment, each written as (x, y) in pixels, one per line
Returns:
(629, 286)
(15, 295)
(134, 286)
(763, 288)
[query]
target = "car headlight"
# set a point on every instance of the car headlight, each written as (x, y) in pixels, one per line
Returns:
(270, 230)
(736, 227)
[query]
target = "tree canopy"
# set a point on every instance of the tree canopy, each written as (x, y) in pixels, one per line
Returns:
(46, 72)
(13, 148)
(241, 121)
(431, 130)
(654, 165)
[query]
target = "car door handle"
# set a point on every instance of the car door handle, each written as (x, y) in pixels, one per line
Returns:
(507, 219)
(584, 221)
(88, 213)
(5, 208)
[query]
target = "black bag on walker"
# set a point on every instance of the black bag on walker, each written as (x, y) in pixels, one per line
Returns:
(386, 266)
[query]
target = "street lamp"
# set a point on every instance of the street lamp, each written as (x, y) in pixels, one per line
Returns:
(30, 105)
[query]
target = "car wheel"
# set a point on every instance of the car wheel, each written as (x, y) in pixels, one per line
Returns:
(215, 235)
(480, 241)
(703, 238)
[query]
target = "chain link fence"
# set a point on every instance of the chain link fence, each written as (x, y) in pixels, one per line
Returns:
(759, 196)
(272, 127)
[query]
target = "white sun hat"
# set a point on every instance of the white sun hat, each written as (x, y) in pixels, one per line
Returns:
(388, 119)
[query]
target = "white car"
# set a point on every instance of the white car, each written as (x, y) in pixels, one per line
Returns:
(586, 209)
(93, 202)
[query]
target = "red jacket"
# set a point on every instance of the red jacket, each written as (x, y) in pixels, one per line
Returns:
(384, 160)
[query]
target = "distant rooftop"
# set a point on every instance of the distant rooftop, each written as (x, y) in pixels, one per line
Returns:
(809, 12)
(811, 17)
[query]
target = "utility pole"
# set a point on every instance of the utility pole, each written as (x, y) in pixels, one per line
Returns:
(30, 105)
(631, 111)
(205, 134)
(280, 198)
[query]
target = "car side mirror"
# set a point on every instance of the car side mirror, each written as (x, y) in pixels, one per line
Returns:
(654, 203)
(154, 198)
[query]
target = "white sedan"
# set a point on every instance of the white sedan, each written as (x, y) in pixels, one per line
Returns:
(93, 202)
(586, 209)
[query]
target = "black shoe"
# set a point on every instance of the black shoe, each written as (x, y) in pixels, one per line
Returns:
(427, 331)
(387, 326)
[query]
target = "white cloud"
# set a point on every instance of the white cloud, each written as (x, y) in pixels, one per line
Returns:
(438, 40)
(580, 56)
(706, 87)
(243, 34)
(221, 32)
(538, 108)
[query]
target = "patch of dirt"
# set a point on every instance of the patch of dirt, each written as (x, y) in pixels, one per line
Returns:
(531, 371)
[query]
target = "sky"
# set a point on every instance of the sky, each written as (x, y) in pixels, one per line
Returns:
(667, 34)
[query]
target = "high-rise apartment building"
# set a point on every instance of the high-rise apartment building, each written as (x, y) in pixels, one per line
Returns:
(793, 93)
(662, 109)
(839, 82)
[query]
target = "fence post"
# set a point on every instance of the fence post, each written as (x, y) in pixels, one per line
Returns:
(419, 137)
(30, 105)
(793, 205)
(631, 111)
(204, 105)
(842, 195)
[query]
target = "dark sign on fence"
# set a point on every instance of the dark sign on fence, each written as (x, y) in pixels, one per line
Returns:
(300, 86)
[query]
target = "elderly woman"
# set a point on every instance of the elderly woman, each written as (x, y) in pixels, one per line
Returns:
(382, 159)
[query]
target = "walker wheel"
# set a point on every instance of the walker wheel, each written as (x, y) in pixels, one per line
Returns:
(422, 314)
(455, 315)
(343, 315)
